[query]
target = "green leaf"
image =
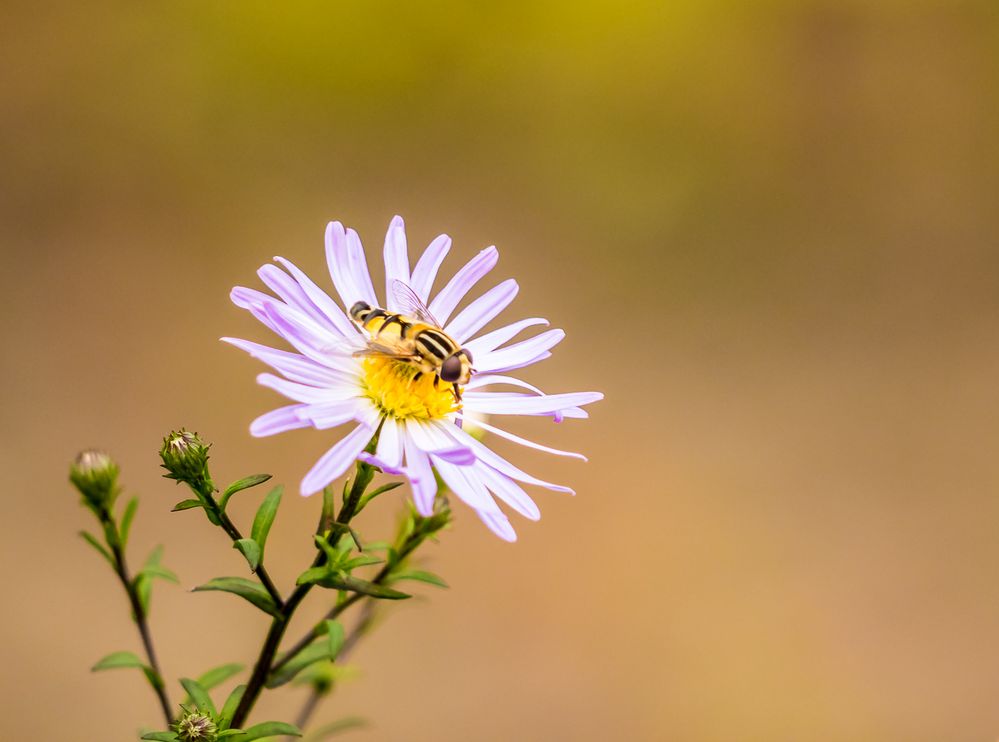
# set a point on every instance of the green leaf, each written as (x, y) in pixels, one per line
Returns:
(118, 659)
(156, 570)
(361, 561)
(420, 576)
(160, 736)
(249, 549)
(187, 505)
(334, 637)
(92, 540)
(269, 729)
(230, 706)
(254, 592)
(334, 728)
(377, 546)
(375, 492)
(265, 517)
(337, 581)
(242, 484)
(228, 732)
(218, 675)
(318, 650)
(126, 521)
(199, 695)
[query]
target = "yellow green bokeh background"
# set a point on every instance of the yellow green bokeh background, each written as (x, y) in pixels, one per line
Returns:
(771, 232)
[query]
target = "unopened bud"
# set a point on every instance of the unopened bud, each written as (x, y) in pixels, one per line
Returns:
(185, 456)
(95, 475)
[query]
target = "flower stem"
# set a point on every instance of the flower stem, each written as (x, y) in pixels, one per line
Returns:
(141, 620)
(262, 668)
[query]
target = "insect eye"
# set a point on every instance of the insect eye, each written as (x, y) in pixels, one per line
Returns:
(451, 368)
(468, 354)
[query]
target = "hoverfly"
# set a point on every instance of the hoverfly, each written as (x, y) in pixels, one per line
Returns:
(414, 336)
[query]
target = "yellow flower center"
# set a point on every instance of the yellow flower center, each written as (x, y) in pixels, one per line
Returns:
(393, 386)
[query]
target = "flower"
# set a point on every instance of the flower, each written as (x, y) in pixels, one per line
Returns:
(418, 422)
(197, 726)
(185, 456)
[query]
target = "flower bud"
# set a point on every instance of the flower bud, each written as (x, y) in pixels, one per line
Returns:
(185, 457)
(95, 475)
(197, 726)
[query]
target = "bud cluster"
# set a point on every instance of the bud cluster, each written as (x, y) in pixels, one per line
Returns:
(197, 726)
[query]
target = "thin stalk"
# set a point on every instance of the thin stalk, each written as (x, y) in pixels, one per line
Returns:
(141, 620)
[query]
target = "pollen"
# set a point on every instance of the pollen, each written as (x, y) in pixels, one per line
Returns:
(393, 386)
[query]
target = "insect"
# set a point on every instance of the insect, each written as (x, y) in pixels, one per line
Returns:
(413, 335)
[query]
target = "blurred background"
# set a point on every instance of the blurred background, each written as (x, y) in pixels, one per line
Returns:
(770, 230)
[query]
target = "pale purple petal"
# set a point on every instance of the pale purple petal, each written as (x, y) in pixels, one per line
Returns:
(492, 340)
(422, 280)
(524, 442)
(421, 477)
(359, 268)
(484, 454)
(293, 365)
(498, 524)
(500, 403)
(464, 482)
(482, 311)
(390, 444)
(289, 290)
(483, 380)
(278, 421)
(518, 353)
(337, 460)
(303, 392)
(254, 301)
(322, 346)
(396, 260)
(349, 273)
(434, 438)
(509, 492)
(445, 302)
(323, 302)
(332, 414)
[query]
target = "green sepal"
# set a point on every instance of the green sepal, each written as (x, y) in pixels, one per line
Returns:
(420, 576)
(160, 736)
(92, 540)
(333, 579)
(187, 505)
(199, 695)
(241, 484)
(334, 728)
(230, 706)
(265, 517)
(269, 729)
(126, 521)
(249, 590)
(249, 549)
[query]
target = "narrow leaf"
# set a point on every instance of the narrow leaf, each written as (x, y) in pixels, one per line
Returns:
(92, 540)
(118, 659)
(160, 736)
(126, 521)
(186, 505)
(242, 484)
(265, 517)
(334, 728)
(225, 733)
(156, 570)
(375, 492)
(218, 675)
(199, 695)
(357, 585)
(318, 650)
(254, 592)
(334, 637)
(230, 706)
(249, 549)
(269, 729)
(420, 576)
(361, 561)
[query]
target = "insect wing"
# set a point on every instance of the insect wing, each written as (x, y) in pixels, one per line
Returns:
(411, 304)
(374, 348)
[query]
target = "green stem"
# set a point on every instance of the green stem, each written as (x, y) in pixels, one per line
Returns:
(141, 619)
(262, 668)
